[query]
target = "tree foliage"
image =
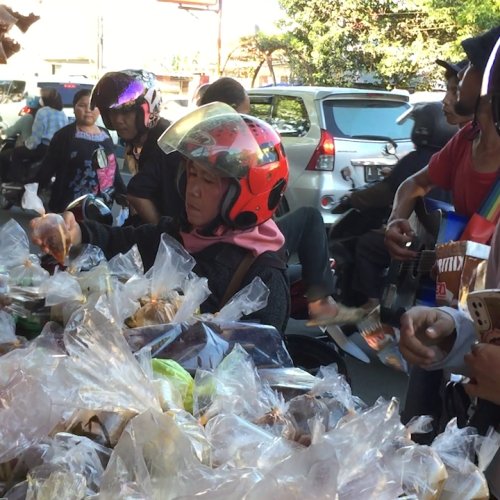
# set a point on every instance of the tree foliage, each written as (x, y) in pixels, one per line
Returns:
(384, 42)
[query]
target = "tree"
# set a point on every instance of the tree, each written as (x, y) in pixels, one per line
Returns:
(384, 42)
(259, 49)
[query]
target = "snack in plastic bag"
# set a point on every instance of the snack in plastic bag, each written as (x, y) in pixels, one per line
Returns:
(155, 311)
(50, 233)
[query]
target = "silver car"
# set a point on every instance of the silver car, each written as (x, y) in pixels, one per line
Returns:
(336, 139)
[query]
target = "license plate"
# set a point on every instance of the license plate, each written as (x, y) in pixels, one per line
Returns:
(373, 173)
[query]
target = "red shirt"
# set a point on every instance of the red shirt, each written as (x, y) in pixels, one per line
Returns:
(451, 169)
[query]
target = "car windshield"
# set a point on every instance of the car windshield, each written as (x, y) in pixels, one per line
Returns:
(366, 118)
(11, 90)
(67, 90)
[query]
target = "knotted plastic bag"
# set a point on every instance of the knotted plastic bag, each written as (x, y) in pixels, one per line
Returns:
(48, 231)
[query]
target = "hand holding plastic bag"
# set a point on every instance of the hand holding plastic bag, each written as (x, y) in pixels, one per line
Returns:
(48, 231)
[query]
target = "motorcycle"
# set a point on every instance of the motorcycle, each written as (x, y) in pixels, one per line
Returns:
(12, 190)
(97, 206)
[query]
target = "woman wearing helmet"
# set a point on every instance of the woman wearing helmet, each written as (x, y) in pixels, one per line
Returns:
(232, 177)
(129, 103)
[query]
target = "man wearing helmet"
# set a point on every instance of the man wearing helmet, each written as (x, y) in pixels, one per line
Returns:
(129, 103)
(232, 176)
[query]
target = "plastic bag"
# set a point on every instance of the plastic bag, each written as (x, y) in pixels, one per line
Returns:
(457, 448)
(204, 345)
(171, 267)
(73, 461)
(23, 268)
(48, 231)
(84, 258)
(7, 328)
(127, 265)
(249, 299)
(178, 377)
(106, 382)
(150, 460)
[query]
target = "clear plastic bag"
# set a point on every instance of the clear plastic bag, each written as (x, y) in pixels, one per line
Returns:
(457, 448)
(106, 382)
(150, 460)
(204, 345)
(127, 265)
(23, 268)
(84, 258)
(7, 329)
(51, 234)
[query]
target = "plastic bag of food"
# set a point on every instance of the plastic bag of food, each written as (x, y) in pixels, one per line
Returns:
(309, 473)
(195, 292)
(150, 460)
(233, 387)
(74, 460)
(457, 449)
(171, 268)
(105, 382)
(238, 443)
(84, 258)
(49, 230)
(23, 268)
(178, 377)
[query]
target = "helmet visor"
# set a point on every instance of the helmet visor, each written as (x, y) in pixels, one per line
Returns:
(215, 137)
(117, 90)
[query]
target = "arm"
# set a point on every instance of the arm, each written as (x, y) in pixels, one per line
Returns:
(37, 130)
(145, 208)
(436, 338)
(52, 160)
(399, 232)
(277, 310)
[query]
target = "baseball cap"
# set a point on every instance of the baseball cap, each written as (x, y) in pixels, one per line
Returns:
(453, 67)
(478, 48)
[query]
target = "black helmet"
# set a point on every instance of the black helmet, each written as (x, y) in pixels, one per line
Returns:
(431, 128)
(128, 89)
(90, 207)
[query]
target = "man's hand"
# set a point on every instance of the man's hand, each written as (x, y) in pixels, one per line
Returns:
(398, 237)
(421, 328)
(484, 366)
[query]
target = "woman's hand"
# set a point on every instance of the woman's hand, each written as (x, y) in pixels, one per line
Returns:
(55, 234)
(398, 236)
(422, 328)
(484, 366)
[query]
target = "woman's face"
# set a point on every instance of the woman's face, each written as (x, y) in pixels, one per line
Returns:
(124, 123)
(83, 114)
(204, 193)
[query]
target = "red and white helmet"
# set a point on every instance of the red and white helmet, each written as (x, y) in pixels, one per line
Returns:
(125, 90)
(242, 148)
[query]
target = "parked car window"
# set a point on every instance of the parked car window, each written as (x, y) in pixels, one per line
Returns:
(358, 118)
(287, 114)
(12, 90)
(290, 116)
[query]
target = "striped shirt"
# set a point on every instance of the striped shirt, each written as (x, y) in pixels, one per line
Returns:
(47, 122)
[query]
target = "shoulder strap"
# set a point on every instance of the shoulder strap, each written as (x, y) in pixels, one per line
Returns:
(237, 278)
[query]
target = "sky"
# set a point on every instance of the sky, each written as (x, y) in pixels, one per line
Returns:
(136, 32)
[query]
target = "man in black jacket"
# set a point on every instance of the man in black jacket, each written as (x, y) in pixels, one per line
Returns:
(129, 103)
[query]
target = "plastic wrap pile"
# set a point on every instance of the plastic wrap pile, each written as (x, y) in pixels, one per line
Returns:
(203, 407)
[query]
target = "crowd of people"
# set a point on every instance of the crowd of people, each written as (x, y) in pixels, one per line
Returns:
(214, 181)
